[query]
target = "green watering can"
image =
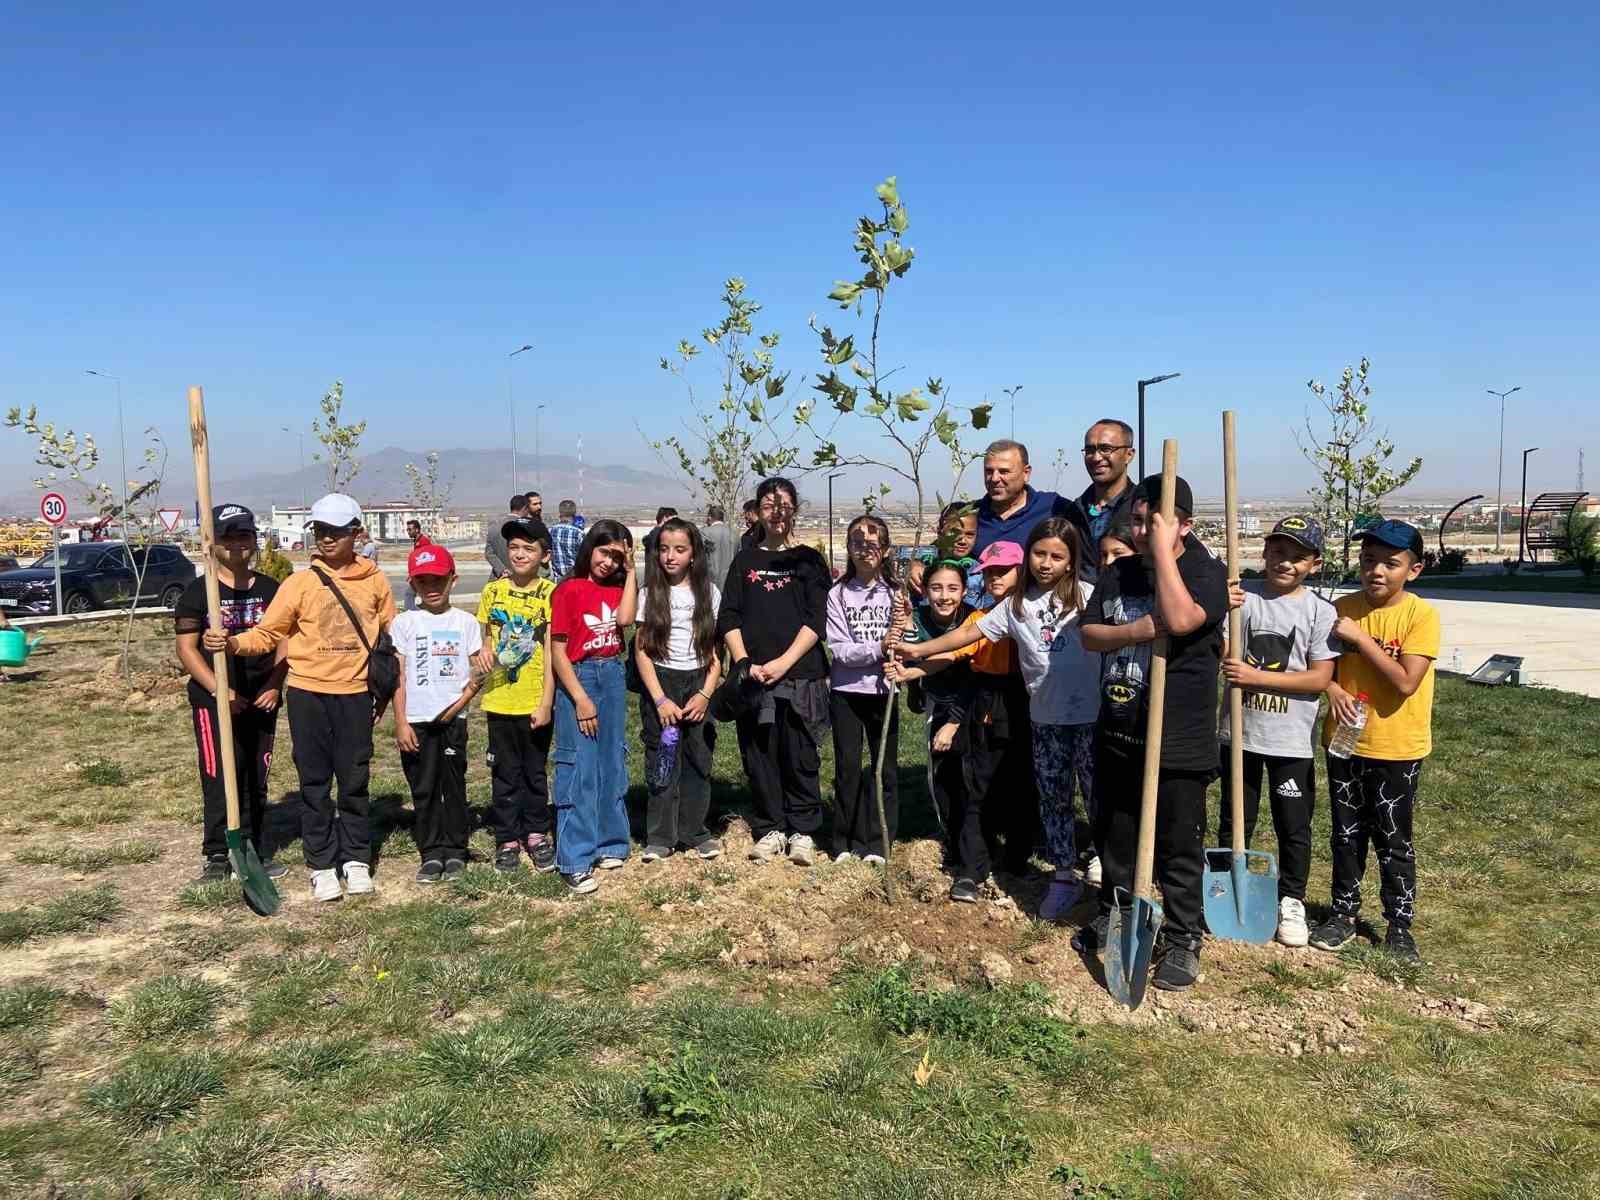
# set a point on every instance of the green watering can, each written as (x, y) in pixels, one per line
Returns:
(15, 646)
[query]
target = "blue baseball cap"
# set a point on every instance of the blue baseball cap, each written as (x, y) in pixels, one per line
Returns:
(1397, 534)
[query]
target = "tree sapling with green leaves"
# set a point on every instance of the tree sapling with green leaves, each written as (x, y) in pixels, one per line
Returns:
(909, 423)
(340, 440)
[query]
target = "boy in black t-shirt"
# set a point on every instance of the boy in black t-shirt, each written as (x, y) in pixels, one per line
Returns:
(1173, 586)
(254, 683)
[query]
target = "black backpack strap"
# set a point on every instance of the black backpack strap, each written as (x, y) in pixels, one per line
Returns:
(348, 611)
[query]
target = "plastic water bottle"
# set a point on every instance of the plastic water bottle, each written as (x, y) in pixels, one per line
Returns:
(667, 756)
(1348, 734)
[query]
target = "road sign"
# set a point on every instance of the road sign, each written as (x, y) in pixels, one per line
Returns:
(170, 518)
(53, 508)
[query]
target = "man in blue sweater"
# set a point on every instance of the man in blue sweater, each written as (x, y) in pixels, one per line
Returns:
(1010, 508)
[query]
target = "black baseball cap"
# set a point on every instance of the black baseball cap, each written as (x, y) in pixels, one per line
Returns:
(1301, 529)
(1150, 492)
(1397, 534)
(232, 518)
(529, 529)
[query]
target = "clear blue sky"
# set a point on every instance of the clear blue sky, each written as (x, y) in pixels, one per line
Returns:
(400, 194)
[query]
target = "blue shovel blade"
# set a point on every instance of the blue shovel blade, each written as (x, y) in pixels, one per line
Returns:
(1241, 895)
(1130, 941)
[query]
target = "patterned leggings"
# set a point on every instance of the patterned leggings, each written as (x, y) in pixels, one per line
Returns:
(1372, 803)
(1062, 754)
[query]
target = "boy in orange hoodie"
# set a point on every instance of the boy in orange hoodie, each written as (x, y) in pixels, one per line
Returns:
(330, 711)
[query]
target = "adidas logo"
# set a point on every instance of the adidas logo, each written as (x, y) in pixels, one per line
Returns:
(1289, 789)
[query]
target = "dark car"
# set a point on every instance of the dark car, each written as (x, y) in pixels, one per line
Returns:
(96, 575)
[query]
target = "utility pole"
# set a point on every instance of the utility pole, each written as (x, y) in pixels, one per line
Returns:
(122, 446)
(302, 439)
(1144, 383)
(538, 456)
(1522, 519)
(1500, 468)
(511, 403)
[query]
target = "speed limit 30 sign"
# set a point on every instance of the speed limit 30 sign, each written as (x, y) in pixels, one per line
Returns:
(53, 508)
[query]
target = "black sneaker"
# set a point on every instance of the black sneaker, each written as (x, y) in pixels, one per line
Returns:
(1178, 969)
(580, 884)
(709, 848)
(215, 869)
(1091, 939)
(508, 857)
(454, 868)
(431, 871)
(542, 851)
(274, 869)
(964, 891)
(1334, 933)
(1399, 942)
(655, 854)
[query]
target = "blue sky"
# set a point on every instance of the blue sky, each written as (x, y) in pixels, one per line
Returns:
(399, 195)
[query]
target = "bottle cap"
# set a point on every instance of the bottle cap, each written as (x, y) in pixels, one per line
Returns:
(1363, 697)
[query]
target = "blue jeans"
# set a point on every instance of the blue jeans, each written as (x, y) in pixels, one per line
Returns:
(591, 775)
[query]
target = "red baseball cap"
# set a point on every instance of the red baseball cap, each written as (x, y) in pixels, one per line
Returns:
(428, 559)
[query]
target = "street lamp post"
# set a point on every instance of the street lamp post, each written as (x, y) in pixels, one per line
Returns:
(831, 478)
(1522, 519)
(1011, 394)
(1144, 383)
(301, 438)
(511, 405)
(122, 448)
(1500, 467)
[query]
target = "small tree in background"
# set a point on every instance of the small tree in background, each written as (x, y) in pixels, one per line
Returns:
(62, 453)
(1351, 459)
(140, 524)
(427, 492)
(340, 441)
(909, 423)
(731, 440)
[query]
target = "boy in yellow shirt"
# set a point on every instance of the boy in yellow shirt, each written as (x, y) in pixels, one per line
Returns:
(1390, 640)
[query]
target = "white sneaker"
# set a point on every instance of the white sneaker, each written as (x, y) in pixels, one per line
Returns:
(357, 879)
(610, 863)
(802, 850)
(1292, 922)
(768, 848)
(874, 860)
(844, 856)
(325, 885)
(1091, 873)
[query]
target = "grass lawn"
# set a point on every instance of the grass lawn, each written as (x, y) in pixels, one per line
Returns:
(724, 1030)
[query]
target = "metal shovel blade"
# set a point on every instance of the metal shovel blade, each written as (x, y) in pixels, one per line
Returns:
(1130, 941)
(259, 892)
(1241, 903)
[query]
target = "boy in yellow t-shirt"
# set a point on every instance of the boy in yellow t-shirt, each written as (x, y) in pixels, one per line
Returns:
(514, 611)
(1390, 640)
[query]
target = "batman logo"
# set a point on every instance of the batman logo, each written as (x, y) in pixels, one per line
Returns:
(1120, 693)
(1293, 523)
(1270, 651)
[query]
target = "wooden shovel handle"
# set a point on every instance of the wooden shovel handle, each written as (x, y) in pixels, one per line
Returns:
(1230, 503)
(1144, 864)
(219, 660)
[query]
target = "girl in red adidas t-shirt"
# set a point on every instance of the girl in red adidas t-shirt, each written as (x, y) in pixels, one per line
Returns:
(588, 614)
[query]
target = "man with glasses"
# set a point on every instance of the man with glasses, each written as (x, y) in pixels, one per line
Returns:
(1107, 455)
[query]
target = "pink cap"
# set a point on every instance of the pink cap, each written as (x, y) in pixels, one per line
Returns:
(1000, 555)
(428, 559)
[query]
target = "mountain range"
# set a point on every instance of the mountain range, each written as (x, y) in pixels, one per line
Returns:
(479, 479)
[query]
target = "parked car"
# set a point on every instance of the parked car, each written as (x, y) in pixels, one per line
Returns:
(96, 575)
(7, 563)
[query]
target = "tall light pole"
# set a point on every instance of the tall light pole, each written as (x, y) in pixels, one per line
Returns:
(538, 456)
(122, 445)
(300, 435)
(1522, 520)
(511, 405)
(1500, 467)
(1144, 383)
(1011, 394)
(831, 478)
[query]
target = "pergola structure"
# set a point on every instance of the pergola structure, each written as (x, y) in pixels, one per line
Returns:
(1556, 508)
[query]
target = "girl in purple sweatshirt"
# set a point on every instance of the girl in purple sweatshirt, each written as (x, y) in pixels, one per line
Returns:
(861, 611)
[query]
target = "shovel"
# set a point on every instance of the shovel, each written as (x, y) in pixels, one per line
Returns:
(259, 892)
(1131, 934)
(1241, 903)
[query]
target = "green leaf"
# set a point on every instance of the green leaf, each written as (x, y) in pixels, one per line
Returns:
(754, 408)
(910, 405)
(843, 352)
(889, 192)
(845, 293)
(775, 385)
(751, 372)
(899, 222)
(897, 258)
(825, 455)
(980, 416)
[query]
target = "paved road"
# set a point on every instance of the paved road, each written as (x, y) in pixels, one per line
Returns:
(1557, 634)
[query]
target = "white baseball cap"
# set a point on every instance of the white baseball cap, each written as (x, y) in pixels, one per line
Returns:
(335, 509)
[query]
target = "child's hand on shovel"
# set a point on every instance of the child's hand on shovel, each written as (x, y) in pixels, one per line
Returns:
(214, 640)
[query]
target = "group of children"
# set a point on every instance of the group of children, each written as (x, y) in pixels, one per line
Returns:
(1030, 667)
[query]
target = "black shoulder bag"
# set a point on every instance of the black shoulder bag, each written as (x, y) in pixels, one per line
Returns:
(383, 663)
